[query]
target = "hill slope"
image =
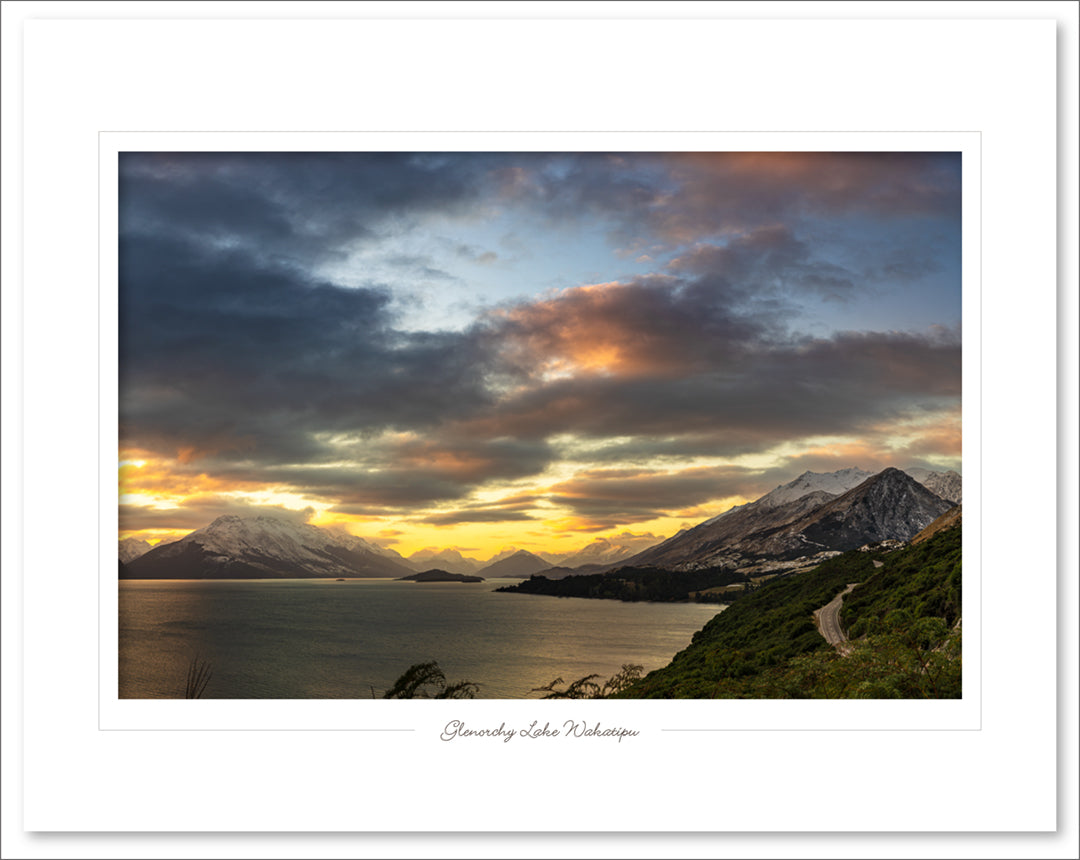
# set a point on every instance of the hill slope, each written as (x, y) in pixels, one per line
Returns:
(766, 645)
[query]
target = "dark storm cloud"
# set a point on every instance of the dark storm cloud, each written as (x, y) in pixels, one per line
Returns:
(620, 495)
(308, 206)
(651, 326)
(744, 409)
(384, 475)
(770, 259)
(686, 197)
(238, 367)
(302, 206)
(222, 352)
(675, 364)
(237, 361)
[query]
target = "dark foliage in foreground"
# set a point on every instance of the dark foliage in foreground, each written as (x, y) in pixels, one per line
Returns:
(589, 688)
(427, 681)
(198, 676)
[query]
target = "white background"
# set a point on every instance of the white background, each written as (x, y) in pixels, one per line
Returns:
(82, 77)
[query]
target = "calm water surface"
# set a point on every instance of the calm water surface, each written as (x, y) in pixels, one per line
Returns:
(315, 639)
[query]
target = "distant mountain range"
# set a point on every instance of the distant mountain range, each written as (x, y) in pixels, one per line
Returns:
(815, 516)
(449, 560)
(521, 564)
(604, 551)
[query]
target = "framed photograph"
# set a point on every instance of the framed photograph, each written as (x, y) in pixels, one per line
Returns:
(494, 444)
(432, 390)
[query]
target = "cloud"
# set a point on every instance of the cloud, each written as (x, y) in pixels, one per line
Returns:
(295, 205)
(611, 496)
(686, 386)
(241, 367)
(238, 370)
(469, 515)
(648, 326)
(223, 354)
(769, 259)
(688, 197)
(196, 511)
(475, 254)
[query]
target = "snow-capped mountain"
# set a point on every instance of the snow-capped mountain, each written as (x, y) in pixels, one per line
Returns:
(233, 547)
(834, 483)
(720, 542)
(949, 485)
(888, 505)
(891, 505)
(449, 560)
(605, 551)
(132, 548)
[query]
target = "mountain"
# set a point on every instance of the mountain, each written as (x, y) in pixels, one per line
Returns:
(449, 560)
(521, 564)
(783, 531)
(949, 485)
(729, 540)
(505, 553)
(132, 548)
(384, 551)
(891, 505)
(833, 483)
(233, 547)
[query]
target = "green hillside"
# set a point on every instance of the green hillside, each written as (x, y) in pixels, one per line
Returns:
(766, 645)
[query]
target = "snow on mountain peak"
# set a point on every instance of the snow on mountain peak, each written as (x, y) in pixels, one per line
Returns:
(811, 482)
(231, 534)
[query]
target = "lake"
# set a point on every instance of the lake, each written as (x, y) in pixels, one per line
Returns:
(317, 639)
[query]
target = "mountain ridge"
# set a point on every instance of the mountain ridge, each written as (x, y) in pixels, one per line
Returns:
(812, 526)
(521, 564)
(233, 547)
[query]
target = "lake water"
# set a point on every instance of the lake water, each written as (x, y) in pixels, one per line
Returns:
(316, 639)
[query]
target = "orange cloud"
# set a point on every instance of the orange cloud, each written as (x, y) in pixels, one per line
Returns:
(160, 478)
(631, 329)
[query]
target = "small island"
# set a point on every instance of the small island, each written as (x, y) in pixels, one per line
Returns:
(436, 575)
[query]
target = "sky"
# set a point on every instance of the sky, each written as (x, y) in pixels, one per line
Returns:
(531, 350)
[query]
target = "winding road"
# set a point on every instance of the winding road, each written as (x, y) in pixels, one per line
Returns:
(828, 620)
